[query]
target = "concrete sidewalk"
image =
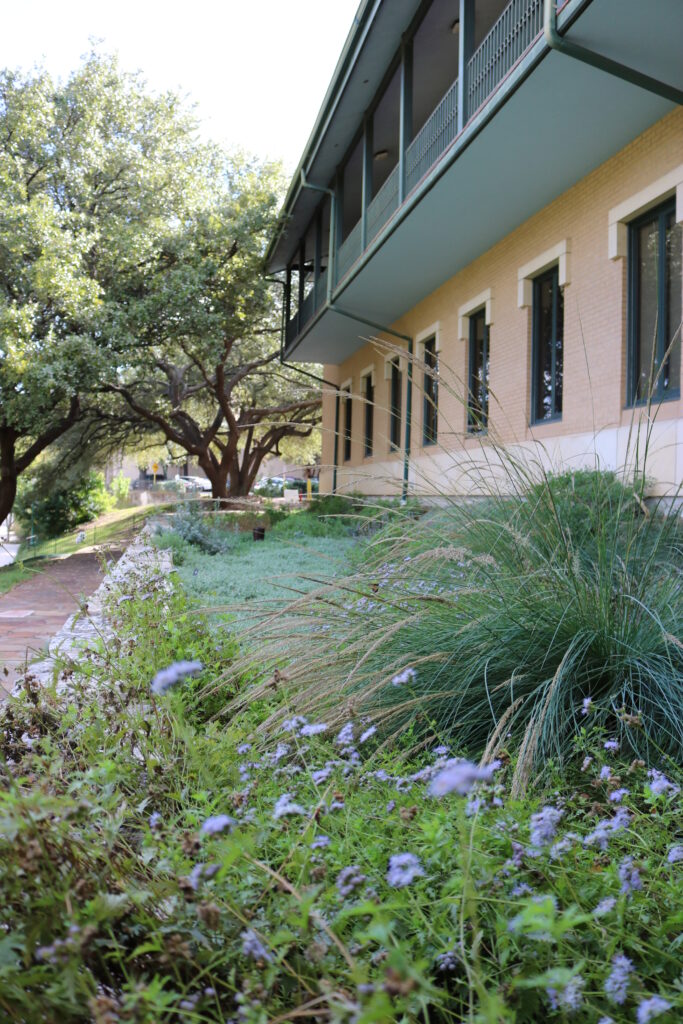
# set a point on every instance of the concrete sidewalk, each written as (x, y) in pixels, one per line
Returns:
(8, 552)
(34, 610)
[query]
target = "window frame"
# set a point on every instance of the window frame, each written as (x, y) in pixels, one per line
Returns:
(660, 213)
(430, 392)
(395, 407)
(482, 426)
(347, 428)
(554, 272)
(367, 388)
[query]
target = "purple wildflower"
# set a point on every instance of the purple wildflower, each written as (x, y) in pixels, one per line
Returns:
(611, 745)
(285, 806)
(586, 705)
(448, 962)
(403, 869)
(616, 986)
(568, 998)
(544, 825)
(294, 724)
(217, 824)
(618, 795)
(675, 854)
(243, 748)
(606, 827)
(349, 879)
(174, 674)
(406, 676)
(345, 735)
(605, 1020)
(321, 775)
(313, 729)
(367, 734)
(391, 806)
(320, 842)
(253, 947)
(650, 1008)
(587, 762)
(441, 751)
(521, 889)
(154, 820)
(605, 906)
(629, 876)
(605, 773)
(460, 777)
(659, 783)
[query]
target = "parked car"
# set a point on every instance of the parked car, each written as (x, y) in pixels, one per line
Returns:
(196, 483)
(269, 486)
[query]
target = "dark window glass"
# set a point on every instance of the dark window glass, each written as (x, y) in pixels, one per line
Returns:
(395, 400)
(655, 306)
(347, 425)
(431, 393)
(478, 394)
(369, 397)
(547, 358)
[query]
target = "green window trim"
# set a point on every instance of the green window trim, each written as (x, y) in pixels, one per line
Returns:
(348, 414)
(395, 405)
(664, 363)
(369, 414)
(547, 348)
(430, 401)
(478, 374)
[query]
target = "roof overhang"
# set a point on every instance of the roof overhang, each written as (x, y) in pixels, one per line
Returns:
(552, 121)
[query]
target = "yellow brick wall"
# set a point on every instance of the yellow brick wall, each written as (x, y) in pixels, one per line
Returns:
(595, 341)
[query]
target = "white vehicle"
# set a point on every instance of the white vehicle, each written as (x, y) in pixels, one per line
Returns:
(196, 483)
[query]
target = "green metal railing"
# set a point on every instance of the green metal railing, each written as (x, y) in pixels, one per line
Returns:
(434, 136)
(349, 250)
(383, 205)
(510, 36)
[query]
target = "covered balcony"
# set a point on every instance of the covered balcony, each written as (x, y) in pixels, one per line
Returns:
(475, 79)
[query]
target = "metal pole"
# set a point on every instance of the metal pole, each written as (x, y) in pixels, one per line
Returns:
(409, 416)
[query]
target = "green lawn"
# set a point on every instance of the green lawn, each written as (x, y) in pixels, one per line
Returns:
(10, 575)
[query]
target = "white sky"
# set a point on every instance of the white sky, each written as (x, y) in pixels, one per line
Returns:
(258, 69)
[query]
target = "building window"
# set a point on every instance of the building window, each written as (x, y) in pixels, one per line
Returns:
(395, 399)
(478, 388)
(347, 424)
(368, 389)
(547, 343)
(655, 306)
(430, 409)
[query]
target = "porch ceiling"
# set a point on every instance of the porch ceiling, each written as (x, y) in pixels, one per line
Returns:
(565, 119)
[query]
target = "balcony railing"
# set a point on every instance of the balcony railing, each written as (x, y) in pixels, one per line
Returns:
(349, 250)
(434, 136)
(383, 205)
(508, 39)
(515, 30)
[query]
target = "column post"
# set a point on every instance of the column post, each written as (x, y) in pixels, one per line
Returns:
(366, 190)
(405, 114)
(465, 48)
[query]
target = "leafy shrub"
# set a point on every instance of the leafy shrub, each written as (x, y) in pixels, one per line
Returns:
(62, 509)
(511, 615)
(156, 869)
(120, 488)
(196, 528)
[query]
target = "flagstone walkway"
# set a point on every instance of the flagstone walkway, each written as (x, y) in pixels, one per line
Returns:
(34, 610)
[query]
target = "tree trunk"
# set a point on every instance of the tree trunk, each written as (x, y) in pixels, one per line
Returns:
(8, 492)
(8, 472)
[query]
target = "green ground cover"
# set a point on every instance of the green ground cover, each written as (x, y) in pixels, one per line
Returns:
(10, 575)
(245, 577)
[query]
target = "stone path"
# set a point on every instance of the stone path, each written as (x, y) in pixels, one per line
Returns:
(33, 611)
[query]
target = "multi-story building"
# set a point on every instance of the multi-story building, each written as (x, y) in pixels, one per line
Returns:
(482, 243)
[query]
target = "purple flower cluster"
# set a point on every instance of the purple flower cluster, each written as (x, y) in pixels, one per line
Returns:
(460, 776)
(616, 985)
(286, 807)
(253, 947)
(544, 825)
(403, 869)
(349, 879)
(650, 1008)
(660, 785)
(629, 876)
(176, 673)
(568, 998)
(217, 824)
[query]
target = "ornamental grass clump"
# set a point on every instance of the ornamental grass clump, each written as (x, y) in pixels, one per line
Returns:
(516, 622)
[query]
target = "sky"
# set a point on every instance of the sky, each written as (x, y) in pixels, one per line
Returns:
(257, 69)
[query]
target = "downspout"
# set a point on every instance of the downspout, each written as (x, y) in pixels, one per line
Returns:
(558, 42)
